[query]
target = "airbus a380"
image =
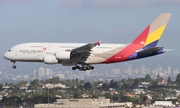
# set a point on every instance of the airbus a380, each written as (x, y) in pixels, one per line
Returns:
(82, 55)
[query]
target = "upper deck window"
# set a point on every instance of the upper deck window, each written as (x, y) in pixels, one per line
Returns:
(104, 47)
(67, 46)
(36, 46)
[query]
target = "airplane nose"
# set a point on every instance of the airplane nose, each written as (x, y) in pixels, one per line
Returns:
(6, 55)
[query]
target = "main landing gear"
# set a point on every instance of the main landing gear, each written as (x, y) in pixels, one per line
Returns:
(14, 66)
(83, 67)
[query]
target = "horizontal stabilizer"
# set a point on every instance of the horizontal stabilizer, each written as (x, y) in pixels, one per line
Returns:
(151, 50)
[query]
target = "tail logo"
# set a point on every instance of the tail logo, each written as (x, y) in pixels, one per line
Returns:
(142, 42)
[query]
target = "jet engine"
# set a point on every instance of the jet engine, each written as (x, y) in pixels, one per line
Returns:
(50, 59)
(63, 55)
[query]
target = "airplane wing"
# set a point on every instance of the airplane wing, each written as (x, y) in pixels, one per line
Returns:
(80, 54)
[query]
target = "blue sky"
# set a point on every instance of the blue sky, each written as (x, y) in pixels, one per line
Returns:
(112, 21)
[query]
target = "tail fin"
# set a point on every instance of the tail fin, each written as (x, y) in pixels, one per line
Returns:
(151, 35)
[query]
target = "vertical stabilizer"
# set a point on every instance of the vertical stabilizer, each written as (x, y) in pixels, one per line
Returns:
(151, 35)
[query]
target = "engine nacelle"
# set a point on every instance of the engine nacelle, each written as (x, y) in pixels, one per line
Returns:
(63, 55)
(50, 59)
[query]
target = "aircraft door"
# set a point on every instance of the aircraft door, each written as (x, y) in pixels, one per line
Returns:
(49, 49)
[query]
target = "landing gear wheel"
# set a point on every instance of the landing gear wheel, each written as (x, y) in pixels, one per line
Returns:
(87, 68)
(77, 67)
(92, 67)
(73, 68)
(80, 69)
(14, 66)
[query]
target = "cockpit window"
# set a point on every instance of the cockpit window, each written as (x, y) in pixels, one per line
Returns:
(9, 50)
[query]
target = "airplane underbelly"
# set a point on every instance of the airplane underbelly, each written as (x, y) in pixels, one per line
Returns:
(119, 57)
(94, 60)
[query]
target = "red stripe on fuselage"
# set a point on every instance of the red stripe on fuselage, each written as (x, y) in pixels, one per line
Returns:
(137, 44)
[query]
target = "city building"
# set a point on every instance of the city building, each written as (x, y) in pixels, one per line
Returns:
(163, 103)
(35, 73)
(84, 103)
(50, 86)
(48, 72)
(41, 72)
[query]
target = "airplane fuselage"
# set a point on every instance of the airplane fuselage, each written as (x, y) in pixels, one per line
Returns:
(37, 52)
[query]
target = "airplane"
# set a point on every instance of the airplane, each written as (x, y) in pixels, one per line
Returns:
(83, 55)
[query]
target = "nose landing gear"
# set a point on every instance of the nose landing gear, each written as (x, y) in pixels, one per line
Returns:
(14, 66)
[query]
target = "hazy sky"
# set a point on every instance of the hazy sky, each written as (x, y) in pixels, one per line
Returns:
(112, 21)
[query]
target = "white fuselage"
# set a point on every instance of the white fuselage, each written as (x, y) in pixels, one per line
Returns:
(35, 52)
